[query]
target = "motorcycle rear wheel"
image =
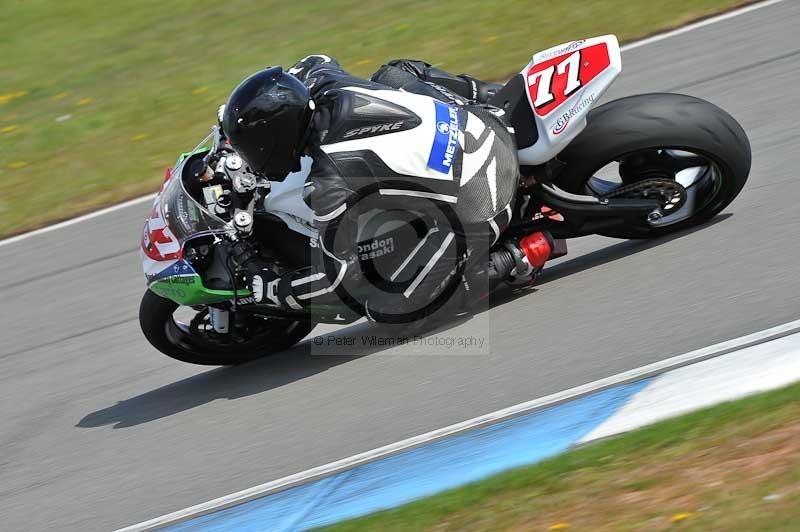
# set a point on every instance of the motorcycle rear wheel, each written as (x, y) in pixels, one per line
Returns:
(660, 135)
(195, 346)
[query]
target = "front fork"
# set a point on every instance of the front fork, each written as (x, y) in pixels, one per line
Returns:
(238, 249)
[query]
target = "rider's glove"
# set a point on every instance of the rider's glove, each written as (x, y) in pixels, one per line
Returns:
(264, 286)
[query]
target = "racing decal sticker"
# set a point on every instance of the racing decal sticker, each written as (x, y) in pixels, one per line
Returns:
(445, 141)
(562, 121)
(158, 242)
(553, 81)
(174, 272)
(376, 248)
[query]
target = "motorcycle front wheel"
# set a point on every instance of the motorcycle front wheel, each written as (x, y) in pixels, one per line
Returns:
(659, 136)
(192, 339)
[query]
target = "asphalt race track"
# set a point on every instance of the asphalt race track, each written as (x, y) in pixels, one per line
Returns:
(100, 431)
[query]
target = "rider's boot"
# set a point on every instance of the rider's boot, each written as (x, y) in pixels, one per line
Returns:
(296, 289)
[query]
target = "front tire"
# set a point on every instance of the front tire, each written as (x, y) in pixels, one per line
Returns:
(168, 336)
(649, 128)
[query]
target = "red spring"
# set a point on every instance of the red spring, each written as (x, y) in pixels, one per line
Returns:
(537, 248)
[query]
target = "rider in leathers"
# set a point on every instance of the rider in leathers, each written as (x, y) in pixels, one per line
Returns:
(351, 162)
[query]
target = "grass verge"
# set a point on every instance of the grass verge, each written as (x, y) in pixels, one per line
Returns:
(735, 466)
(97, 97)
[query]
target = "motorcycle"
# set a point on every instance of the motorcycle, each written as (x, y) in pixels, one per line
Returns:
(636, 167)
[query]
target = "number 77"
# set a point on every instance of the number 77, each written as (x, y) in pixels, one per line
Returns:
(544, 91)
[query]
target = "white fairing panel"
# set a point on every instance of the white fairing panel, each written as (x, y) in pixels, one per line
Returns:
(285, 200)
(563, 83)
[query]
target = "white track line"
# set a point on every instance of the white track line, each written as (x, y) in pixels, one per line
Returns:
(522, 408)
(79, 219)
(624, 48)
(699, 24)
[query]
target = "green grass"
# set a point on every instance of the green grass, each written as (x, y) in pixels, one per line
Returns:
(709, 470)
(97, 97)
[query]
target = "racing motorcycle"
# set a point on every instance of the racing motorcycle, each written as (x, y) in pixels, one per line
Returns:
(637, 167)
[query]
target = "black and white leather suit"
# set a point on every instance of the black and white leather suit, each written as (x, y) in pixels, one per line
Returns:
(411, 134)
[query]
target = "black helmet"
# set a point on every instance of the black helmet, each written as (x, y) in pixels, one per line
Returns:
(266, 120)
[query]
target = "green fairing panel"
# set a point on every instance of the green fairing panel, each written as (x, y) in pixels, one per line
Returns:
(188, 153)
(188, 290)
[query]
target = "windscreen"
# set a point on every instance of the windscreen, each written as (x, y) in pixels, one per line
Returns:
(177, 216)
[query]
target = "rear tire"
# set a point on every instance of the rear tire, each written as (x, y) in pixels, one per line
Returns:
(659, 121)
(156, 321)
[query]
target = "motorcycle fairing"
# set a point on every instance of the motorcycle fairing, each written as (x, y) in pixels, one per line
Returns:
(563, 83)
(175, 219)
